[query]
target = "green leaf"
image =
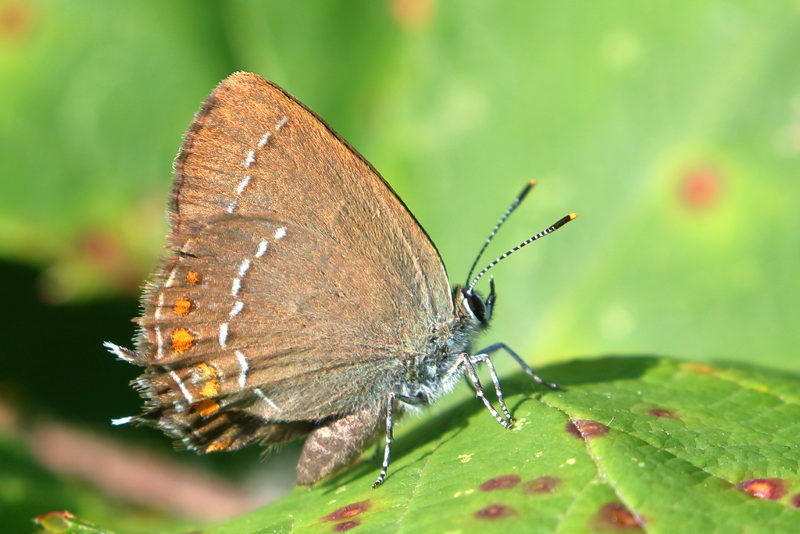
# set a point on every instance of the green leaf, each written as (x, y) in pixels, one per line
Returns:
(630, 443)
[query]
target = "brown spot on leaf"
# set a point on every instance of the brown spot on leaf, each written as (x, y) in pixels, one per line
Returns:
(796, 500)
(345, 525)
(541, 485)
(15, 19)
(662, 412)
(59, 521)
(345, 512)
(412, 14)
(699, 368)
(616, 515)
(57, 513)
(701, 187)
(102, 248)
(770, 489)
(501, 482)
(586, 429)
(495, 511)
(104, 251)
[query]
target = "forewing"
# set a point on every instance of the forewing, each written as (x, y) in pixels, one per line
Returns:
(297, 284)
(253, 148)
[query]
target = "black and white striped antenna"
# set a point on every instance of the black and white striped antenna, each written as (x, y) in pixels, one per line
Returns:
(520, 197)
(549, 230)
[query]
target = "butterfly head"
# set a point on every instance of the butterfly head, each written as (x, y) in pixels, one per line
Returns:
(472, 307)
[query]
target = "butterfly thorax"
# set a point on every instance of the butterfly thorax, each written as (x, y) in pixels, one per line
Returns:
(435, 373)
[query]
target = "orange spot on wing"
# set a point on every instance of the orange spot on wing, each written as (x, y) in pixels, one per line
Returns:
(206, 370)
(182, 306)
(192, 277)
(182, 340)
(219, 445)
(210, 388)
(206, 407)
(206, 378)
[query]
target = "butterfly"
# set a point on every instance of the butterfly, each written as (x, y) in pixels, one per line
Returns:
(299, 296)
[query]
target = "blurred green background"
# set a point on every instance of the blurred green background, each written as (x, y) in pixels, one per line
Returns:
(673, 129)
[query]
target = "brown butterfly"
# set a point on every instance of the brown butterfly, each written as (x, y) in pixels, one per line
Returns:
(300, 297)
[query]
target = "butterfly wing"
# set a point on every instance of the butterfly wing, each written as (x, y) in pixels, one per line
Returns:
(253, 149)
(298, 282)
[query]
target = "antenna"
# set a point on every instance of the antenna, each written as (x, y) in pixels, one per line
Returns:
(549, 230)
(522, 194)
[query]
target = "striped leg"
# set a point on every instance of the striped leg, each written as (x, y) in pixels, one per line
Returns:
(389, 434)
(466, 361)
(502, 346)
(496, 381)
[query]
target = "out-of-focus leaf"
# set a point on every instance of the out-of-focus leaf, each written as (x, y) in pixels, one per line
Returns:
(29, 490)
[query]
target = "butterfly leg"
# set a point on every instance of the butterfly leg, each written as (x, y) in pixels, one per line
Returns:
(336, 443)
(502, 346)
(484, 358)
(466, 361)
(389, 436)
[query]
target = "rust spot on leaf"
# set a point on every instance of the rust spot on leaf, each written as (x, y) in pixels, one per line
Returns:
(58, 521)
(501, 482)
(701, 187)
(412, 14)
(541, 485)
(495, 511)
(586, 429)
(662, 412)
(796, 500)
(770, 489)
(15, 19)
(346, 512)
(699, 368)
(105, 252)
(345, 525)
(616, 515)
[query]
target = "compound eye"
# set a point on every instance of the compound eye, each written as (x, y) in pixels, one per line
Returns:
(476, 306)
